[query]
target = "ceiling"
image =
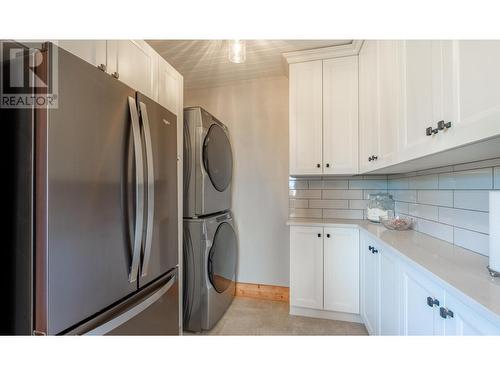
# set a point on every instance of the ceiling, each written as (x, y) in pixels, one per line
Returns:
(204, 63)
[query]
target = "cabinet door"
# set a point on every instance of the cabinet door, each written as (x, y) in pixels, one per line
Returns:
(340, 115)
(389, 294)
(368, 104)
(306, 118)
(92, 51)
(471, 91)
(169, 90)
(370, 288)
(389, 94)
(420, 70)
(465, 321)
(306, 267)
(137, 66)
(341, 270)
(418, 317)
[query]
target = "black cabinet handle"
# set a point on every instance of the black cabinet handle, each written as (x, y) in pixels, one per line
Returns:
(428, 131)
(447, 125)
(432, 301)
(319, 234)
(370, 158)
(371, 248)
(328, 165)
(375, 157)
(440, 125)
(318, 165)
(445, 313)
(328, 235)
(374, 251)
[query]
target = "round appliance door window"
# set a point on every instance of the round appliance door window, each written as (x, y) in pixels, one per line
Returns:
(217, 157)
(222, 258)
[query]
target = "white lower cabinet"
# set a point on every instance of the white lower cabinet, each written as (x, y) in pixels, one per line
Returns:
(324, 271)
(399, 299)
(306, 267)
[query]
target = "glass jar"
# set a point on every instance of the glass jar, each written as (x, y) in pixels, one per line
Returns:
(380, 205)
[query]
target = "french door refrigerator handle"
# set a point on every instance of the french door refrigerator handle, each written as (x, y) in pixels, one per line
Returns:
(139, 191)
(151, 188)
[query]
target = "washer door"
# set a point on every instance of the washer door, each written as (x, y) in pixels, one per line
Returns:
(222, 258)
(217, 157)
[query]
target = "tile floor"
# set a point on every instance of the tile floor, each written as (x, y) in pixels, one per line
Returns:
(248, 316)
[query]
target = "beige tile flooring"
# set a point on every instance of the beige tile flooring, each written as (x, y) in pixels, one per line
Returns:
(248, 316)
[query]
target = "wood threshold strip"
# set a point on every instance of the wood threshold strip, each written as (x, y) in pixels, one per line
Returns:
(262, 291)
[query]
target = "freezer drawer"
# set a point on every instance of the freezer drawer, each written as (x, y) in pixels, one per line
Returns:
(153, 311)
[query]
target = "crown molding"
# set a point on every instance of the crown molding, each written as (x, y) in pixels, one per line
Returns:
(350, 49)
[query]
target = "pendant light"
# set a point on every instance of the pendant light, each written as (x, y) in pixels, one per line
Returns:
(237, 51)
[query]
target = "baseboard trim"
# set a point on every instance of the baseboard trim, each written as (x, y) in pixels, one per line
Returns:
(262, 291)
(323, 314)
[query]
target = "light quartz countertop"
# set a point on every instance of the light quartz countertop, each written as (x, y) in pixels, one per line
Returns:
(462, 271)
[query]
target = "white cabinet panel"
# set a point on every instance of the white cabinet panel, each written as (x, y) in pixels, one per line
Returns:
(368, 104)
(341, 270)
(306, 267)
(92, 51)
(136, 65)
(306, 118)
(340, 115)
(169, 86)
(471, 95)
(463, 321)
(389, 294)
(370, 287)
(419, 318)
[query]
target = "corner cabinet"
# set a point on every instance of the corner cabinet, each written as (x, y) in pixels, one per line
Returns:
(324, 272)
(398, 298)
(324, 116)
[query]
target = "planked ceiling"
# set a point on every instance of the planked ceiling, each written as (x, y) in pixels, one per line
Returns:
(204, 63)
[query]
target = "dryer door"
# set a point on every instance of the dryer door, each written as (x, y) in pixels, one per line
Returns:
(217, 157)
(223, 257)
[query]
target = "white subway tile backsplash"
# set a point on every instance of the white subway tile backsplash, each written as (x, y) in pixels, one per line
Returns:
(471, 179)
(298, 203)
(435, 197)
(424, 182)
(368, 184)
(472, 220)
(342, 214)
(450, 203)
(342, 194)
(404, 195)
(298, 184)
(358, 204)
(441, 231)
(423, 211)
(471, 199)
(477, 242)
(401, 208)
(331, 203)
(335, 184)
(304, 194)
(398, 184)
(313, 213)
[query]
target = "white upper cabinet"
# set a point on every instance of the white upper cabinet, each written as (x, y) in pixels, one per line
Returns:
(379, 103)
(306, 118)
(341, 270)
(92, 51)
(135, 63)
(340, 115)
(306, 267)
(471, 92)
(170, 86)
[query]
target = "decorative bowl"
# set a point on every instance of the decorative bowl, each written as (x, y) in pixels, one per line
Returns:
(398, 223)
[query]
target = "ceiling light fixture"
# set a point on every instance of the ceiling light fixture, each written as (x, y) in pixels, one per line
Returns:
(237, 51)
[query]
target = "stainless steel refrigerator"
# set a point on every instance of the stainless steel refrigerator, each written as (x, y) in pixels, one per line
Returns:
(93, 241)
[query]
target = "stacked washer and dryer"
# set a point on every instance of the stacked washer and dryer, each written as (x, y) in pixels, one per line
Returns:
(210, 243)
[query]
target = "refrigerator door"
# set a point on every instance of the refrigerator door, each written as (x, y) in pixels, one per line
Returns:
(88, 192)
(160, 250)
(152, 311)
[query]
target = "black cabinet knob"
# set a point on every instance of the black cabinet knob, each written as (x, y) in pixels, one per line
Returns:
(445, 313)
(375, 157)
(319, 234)
(328, 235)
(440, 125)
(428, 131)
(370, 158)
(318, 165)
(432, 302)
(370, 248)
(328, 165)
(374, 251)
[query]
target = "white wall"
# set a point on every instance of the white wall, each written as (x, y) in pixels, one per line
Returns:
(256, 113)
